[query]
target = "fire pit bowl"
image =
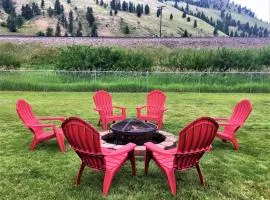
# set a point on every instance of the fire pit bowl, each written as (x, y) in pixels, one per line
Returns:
(135, 131)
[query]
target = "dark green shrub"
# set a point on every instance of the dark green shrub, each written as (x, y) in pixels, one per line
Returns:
(9, 60)
(102, 58)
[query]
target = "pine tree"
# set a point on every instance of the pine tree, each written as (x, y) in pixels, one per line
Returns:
(124, 6)
(115, 12)
(42, 5)
(184, 15)
(49, 32)
(58, 30)
(158, 12)
(101, 3)
(215, 33)
(90, 17)
(111, 14)
(8, 6)
(94, 31)
(11, 23)
(265, 33)
(171, 16)
(185, 34)
(57, 7)
(127, 30)
(147, 9)
(50, 11)
(187, 8)
(231, 34)
(70, 24)
(27, 12)
(188, 19)
(138, 10)
(68, 1)
(195, 24)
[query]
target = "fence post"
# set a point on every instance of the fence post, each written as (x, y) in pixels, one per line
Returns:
(95, 82)
(147, 76)
(251, 80)
(200, 75)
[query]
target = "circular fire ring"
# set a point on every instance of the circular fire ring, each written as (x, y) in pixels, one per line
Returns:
(169, 143)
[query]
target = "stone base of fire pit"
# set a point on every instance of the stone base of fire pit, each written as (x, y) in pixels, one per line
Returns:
(169, 143)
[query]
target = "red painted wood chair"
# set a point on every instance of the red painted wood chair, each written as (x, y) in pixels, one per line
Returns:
(85, 140)
(31, 122)
(194, 141)
(103, 103)
(155, 108)
(240, 114)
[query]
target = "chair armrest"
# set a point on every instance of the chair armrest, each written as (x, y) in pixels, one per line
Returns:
(220, 119)
(119, 107)
(52, 118)
(228, 124)
(41, 125)
(126, 149)
(140, 107)
(154, 148)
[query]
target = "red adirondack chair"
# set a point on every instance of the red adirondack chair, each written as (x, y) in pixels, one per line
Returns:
(155, 108)
(103, 102)
(240, 114)
(194, 141)
(31, 122)
(85, 140)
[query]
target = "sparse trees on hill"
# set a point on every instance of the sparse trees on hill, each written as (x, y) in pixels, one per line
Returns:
(11, 23)
(126, 31)
(58, 30)
(8, 6)
(42, 4)
(70, 22)
(68, 1)
(49, 32)
(184, 15)
(265, 33)
(158, 12)
(139, 10)
(50, 11)
(215, 32)
(195, 24)
(147, 9)
(90, 17)
(171, 16)
(94, 31)
(58, 8)
(185, 34)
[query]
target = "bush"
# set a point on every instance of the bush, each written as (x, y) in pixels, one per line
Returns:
(8, 60)
(102, 58)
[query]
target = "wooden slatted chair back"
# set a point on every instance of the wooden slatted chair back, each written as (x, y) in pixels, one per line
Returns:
(27, 116)
(85, 140)
(240, 114)
(194, 141)
(155, 102)
(103, 100)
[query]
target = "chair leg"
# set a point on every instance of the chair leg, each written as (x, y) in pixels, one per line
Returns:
(105, 126)
(79, 175)
(235, 144)
(147, 159)
(133, 162)
(61, 141)
(107, 182)
(171, 180)
(33, 144)
(200, 174)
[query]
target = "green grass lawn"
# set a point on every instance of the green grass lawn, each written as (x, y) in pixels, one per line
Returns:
(48, 174)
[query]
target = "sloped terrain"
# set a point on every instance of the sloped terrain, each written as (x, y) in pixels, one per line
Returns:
(144, 26)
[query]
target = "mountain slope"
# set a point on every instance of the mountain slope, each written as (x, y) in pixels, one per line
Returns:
(146, 25)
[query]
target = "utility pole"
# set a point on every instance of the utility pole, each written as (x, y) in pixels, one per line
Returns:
(160, 23)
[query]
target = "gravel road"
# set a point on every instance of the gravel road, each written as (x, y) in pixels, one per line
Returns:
(136, 42)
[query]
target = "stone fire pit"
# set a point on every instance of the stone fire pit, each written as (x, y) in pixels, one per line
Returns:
(169, 143)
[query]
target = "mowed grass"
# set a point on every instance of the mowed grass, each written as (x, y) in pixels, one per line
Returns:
(48, 174)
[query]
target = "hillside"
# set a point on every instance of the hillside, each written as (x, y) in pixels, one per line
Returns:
(125, 23)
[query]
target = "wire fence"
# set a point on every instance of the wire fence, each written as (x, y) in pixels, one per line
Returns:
(120, 81)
